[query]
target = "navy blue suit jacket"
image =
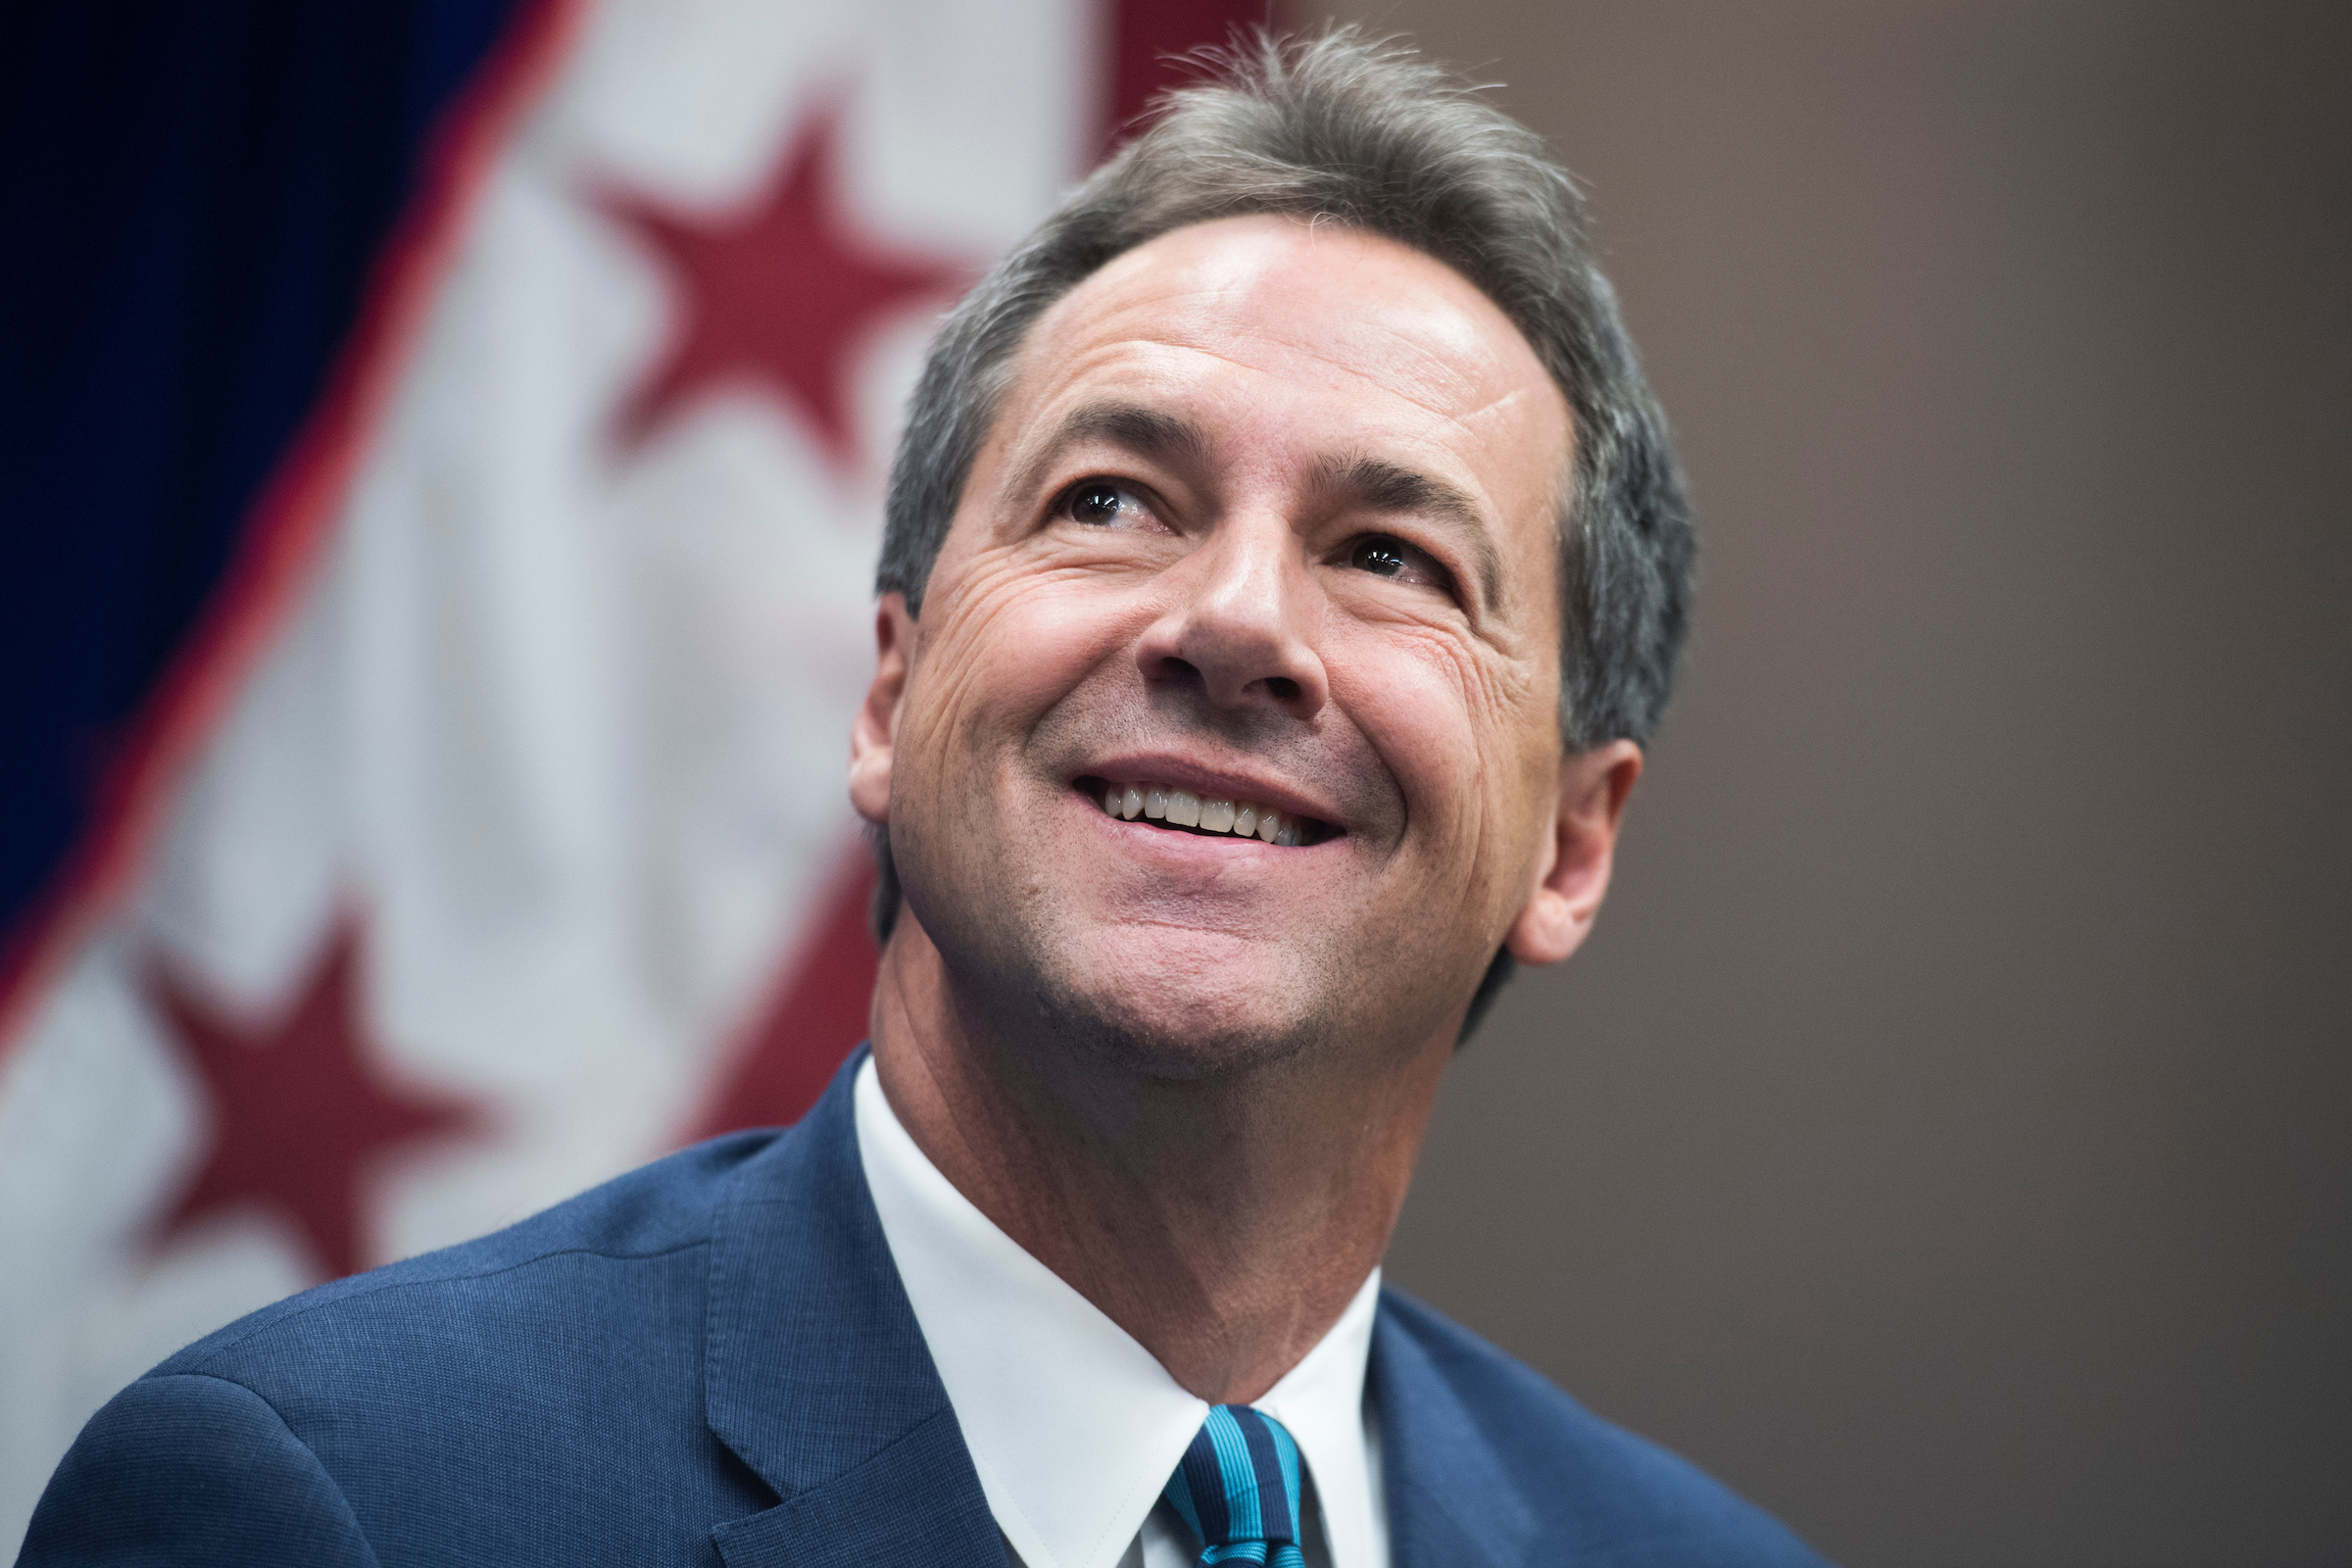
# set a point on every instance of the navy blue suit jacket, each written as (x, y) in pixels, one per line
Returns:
(712, 1360)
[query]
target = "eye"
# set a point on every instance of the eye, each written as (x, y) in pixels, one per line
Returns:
(1102, 504)
(1386, 556)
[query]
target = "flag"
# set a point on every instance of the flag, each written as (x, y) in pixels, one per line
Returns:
(443, 461)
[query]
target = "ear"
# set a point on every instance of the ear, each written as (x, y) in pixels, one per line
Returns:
(1573, 871)
(875, 732)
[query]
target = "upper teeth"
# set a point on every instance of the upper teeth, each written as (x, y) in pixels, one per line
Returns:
(1183, 808)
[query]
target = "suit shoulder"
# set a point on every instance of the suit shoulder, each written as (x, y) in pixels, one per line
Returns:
(189, 1470)
(1624, 1499)
(537, 1395)
(657, 1211)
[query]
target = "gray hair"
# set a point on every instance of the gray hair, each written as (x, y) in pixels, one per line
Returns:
(1365, 132)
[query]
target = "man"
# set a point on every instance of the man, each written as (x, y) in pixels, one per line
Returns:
(1284, 567)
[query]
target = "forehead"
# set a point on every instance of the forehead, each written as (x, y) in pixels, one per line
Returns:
(1296, 296)
(1286, 335)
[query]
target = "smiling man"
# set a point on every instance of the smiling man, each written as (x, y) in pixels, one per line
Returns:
(1284, 567)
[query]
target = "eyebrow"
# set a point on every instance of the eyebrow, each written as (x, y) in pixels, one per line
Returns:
(1373, 486)
(1145, 433)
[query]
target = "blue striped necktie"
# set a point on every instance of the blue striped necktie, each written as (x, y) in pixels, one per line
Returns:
(1238, 1487)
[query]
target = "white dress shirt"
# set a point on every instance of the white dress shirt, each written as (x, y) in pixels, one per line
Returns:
(1073, 1426)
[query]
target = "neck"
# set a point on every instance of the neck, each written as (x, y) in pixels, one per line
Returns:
(1224, 1221)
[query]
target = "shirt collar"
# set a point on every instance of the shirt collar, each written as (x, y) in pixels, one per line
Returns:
(1072, 1424)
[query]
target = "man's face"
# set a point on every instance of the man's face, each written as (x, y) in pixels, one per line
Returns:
(1266, 516)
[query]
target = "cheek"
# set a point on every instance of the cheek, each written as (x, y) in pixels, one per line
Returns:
(1003, 641)
(1471, 740)
(1429, 709)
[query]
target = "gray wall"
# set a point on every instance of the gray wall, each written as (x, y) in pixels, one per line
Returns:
(1944, 1137)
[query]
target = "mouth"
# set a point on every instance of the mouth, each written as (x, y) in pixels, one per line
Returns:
(1178, 810)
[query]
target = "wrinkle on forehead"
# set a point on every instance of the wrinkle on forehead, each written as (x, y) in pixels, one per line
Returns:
(1439, 379)
(1488, 419)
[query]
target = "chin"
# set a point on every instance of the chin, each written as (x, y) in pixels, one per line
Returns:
(1173, 1025)
(1149, 996)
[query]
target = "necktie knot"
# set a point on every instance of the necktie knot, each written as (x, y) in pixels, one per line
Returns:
(1238, 1487)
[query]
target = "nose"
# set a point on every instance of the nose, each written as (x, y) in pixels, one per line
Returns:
(1241, 623)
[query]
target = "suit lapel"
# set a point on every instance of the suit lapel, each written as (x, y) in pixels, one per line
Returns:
(1448, 1504)
(815, 1372)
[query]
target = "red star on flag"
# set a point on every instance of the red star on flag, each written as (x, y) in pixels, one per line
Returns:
(780, 294)
(300, 1115)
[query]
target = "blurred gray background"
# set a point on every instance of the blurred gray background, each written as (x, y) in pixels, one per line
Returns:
(1944, 1138)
